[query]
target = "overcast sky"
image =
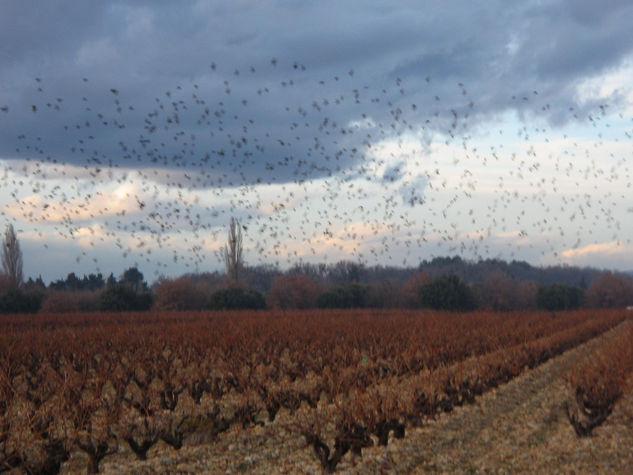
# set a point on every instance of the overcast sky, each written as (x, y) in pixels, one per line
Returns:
(380, 132)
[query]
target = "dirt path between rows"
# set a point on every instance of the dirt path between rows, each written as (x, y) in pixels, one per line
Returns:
(520, 427)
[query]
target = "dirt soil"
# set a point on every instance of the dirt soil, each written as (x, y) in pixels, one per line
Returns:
(520, 427)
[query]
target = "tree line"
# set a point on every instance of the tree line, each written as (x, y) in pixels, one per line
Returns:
(447, 283)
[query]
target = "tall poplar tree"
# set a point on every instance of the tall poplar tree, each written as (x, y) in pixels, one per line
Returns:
(12, 258)
(233, 251)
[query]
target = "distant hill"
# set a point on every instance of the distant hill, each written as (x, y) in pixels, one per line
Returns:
(261, 277)
(478, 271)
(470, 271)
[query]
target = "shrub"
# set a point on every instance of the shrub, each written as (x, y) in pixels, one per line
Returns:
(386, 293)
(447, 292)
(18, 301)
(347, 295)
(600, 380)
(558, 297)
(179, 294)
(58, 302)
(5, 283)
(121, 297)
(609, 290)
(293, 291)
(64, 301)
(526, 294)
(410, 290)
(236, 298)
(498, 291)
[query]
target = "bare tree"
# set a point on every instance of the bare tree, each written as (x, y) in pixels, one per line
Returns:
(12, 258)
(233, 250)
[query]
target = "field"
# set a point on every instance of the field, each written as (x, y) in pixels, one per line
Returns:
(311, 391)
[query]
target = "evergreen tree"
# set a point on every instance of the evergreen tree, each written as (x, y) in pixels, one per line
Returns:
(448, 292)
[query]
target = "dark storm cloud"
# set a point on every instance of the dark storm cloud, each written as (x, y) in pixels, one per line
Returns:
(287, 80)
(576, 38)
(34, 33)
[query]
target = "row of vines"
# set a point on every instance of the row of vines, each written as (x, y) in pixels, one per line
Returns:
(91, 384)
(599, 381)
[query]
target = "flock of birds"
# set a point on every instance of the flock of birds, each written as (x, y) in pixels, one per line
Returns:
(313, 168)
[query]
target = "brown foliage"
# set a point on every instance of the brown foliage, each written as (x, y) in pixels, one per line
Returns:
(410, 290)
(385, 294)
(293, 291)
(609, 290)
(179, 294)
(343, 376)
(526, 294)
(5, 283)
(600, 380)
(497, 292)
(64, 301)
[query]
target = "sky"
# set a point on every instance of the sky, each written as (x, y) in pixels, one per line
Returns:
(379, 132)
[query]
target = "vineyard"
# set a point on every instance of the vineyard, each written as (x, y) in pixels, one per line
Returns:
(78, 392)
